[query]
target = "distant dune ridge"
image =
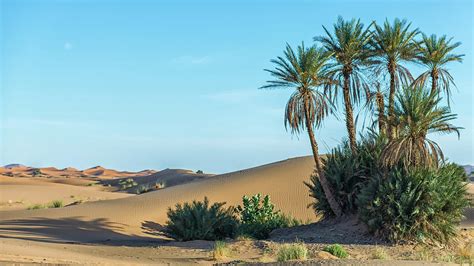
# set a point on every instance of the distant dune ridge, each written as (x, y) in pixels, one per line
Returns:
(22, 170)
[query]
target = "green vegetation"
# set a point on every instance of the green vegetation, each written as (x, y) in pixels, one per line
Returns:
(52, 204)
(36, 207)
(255, 219)
(347, 173)
(143, 189)
(36, 172)
(199, 220)
(294, 251)
(199, 172)
(220, 251)
(258, 217)
(336, 250)
(127, 183)
(419, 205)
(55, 204)
(306, 71)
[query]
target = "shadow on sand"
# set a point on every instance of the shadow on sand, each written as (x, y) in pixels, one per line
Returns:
(71, 230)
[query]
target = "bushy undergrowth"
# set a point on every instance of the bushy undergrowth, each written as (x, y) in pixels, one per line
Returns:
(415, 205)
(258, 217)
(294, 251)
(55, 204)
(336, 250)
(255, 219)
(418, 204)
(200, 220)
(347, 174)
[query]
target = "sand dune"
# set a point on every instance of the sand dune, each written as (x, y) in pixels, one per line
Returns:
(19, 193)
(134, 217)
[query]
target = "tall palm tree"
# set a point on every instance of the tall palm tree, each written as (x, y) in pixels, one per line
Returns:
(417, 115)
(435, 54)
(350, 49)
(392, 44)
(305, 71)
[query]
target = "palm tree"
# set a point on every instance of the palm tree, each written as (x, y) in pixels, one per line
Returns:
(417, 115)
(350, 49)
(305, 71)
(435, 53)
(393, 44)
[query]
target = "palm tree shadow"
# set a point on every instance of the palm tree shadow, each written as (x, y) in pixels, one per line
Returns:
(154, 229)
(71, 230)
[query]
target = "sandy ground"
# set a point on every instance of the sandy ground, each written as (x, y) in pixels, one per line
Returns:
(122, 229)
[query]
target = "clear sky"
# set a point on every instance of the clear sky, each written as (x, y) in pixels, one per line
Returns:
(157, 84)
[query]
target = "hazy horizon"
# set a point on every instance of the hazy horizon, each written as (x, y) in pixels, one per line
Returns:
(135, 85)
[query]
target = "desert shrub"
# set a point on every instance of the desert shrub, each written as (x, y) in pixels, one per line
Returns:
(380, 254)
(143, 189)
(220, 251)
(336, 250)
(258, 217)
(127, 183)
(35, 172)
(415, 205)
(200, 221)
(347, 174)
(36, 207)
(294, 251)
(55, 204)
(160, 185)
(199, 172)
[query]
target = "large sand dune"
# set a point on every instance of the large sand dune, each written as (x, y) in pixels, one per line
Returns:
(135, 218)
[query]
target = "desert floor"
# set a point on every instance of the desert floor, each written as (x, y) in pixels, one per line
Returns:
(102, 224)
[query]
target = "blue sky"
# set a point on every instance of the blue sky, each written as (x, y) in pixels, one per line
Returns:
(156, 84)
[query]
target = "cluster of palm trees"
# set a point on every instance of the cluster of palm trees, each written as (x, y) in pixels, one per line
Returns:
(368, 64)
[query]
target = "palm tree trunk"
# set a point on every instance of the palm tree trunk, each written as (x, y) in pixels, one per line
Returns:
(434, 81)
(349, 115)
(319, 170)
(391, 100)
(381, 112)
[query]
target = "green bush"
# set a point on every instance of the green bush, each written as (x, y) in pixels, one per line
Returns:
(55, 204)
(347, 174)
(336, 250)
(36, 207)
(258, 217)
(200, 221)
(415, 205)
(294, 251)
(143, 189)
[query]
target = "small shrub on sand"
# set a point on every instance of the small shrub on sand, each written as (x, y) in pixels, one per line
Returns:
(55, 204)
(379, 253)
(143, 189)
(336, 250)
(258, 217)
(220, 251)
(36, 207)
(199, 172)
(201, 221)
(243, 237)
(294, 251)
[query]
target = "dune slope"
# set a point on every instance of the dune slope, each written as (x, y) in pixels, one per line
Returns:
(136, 218)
